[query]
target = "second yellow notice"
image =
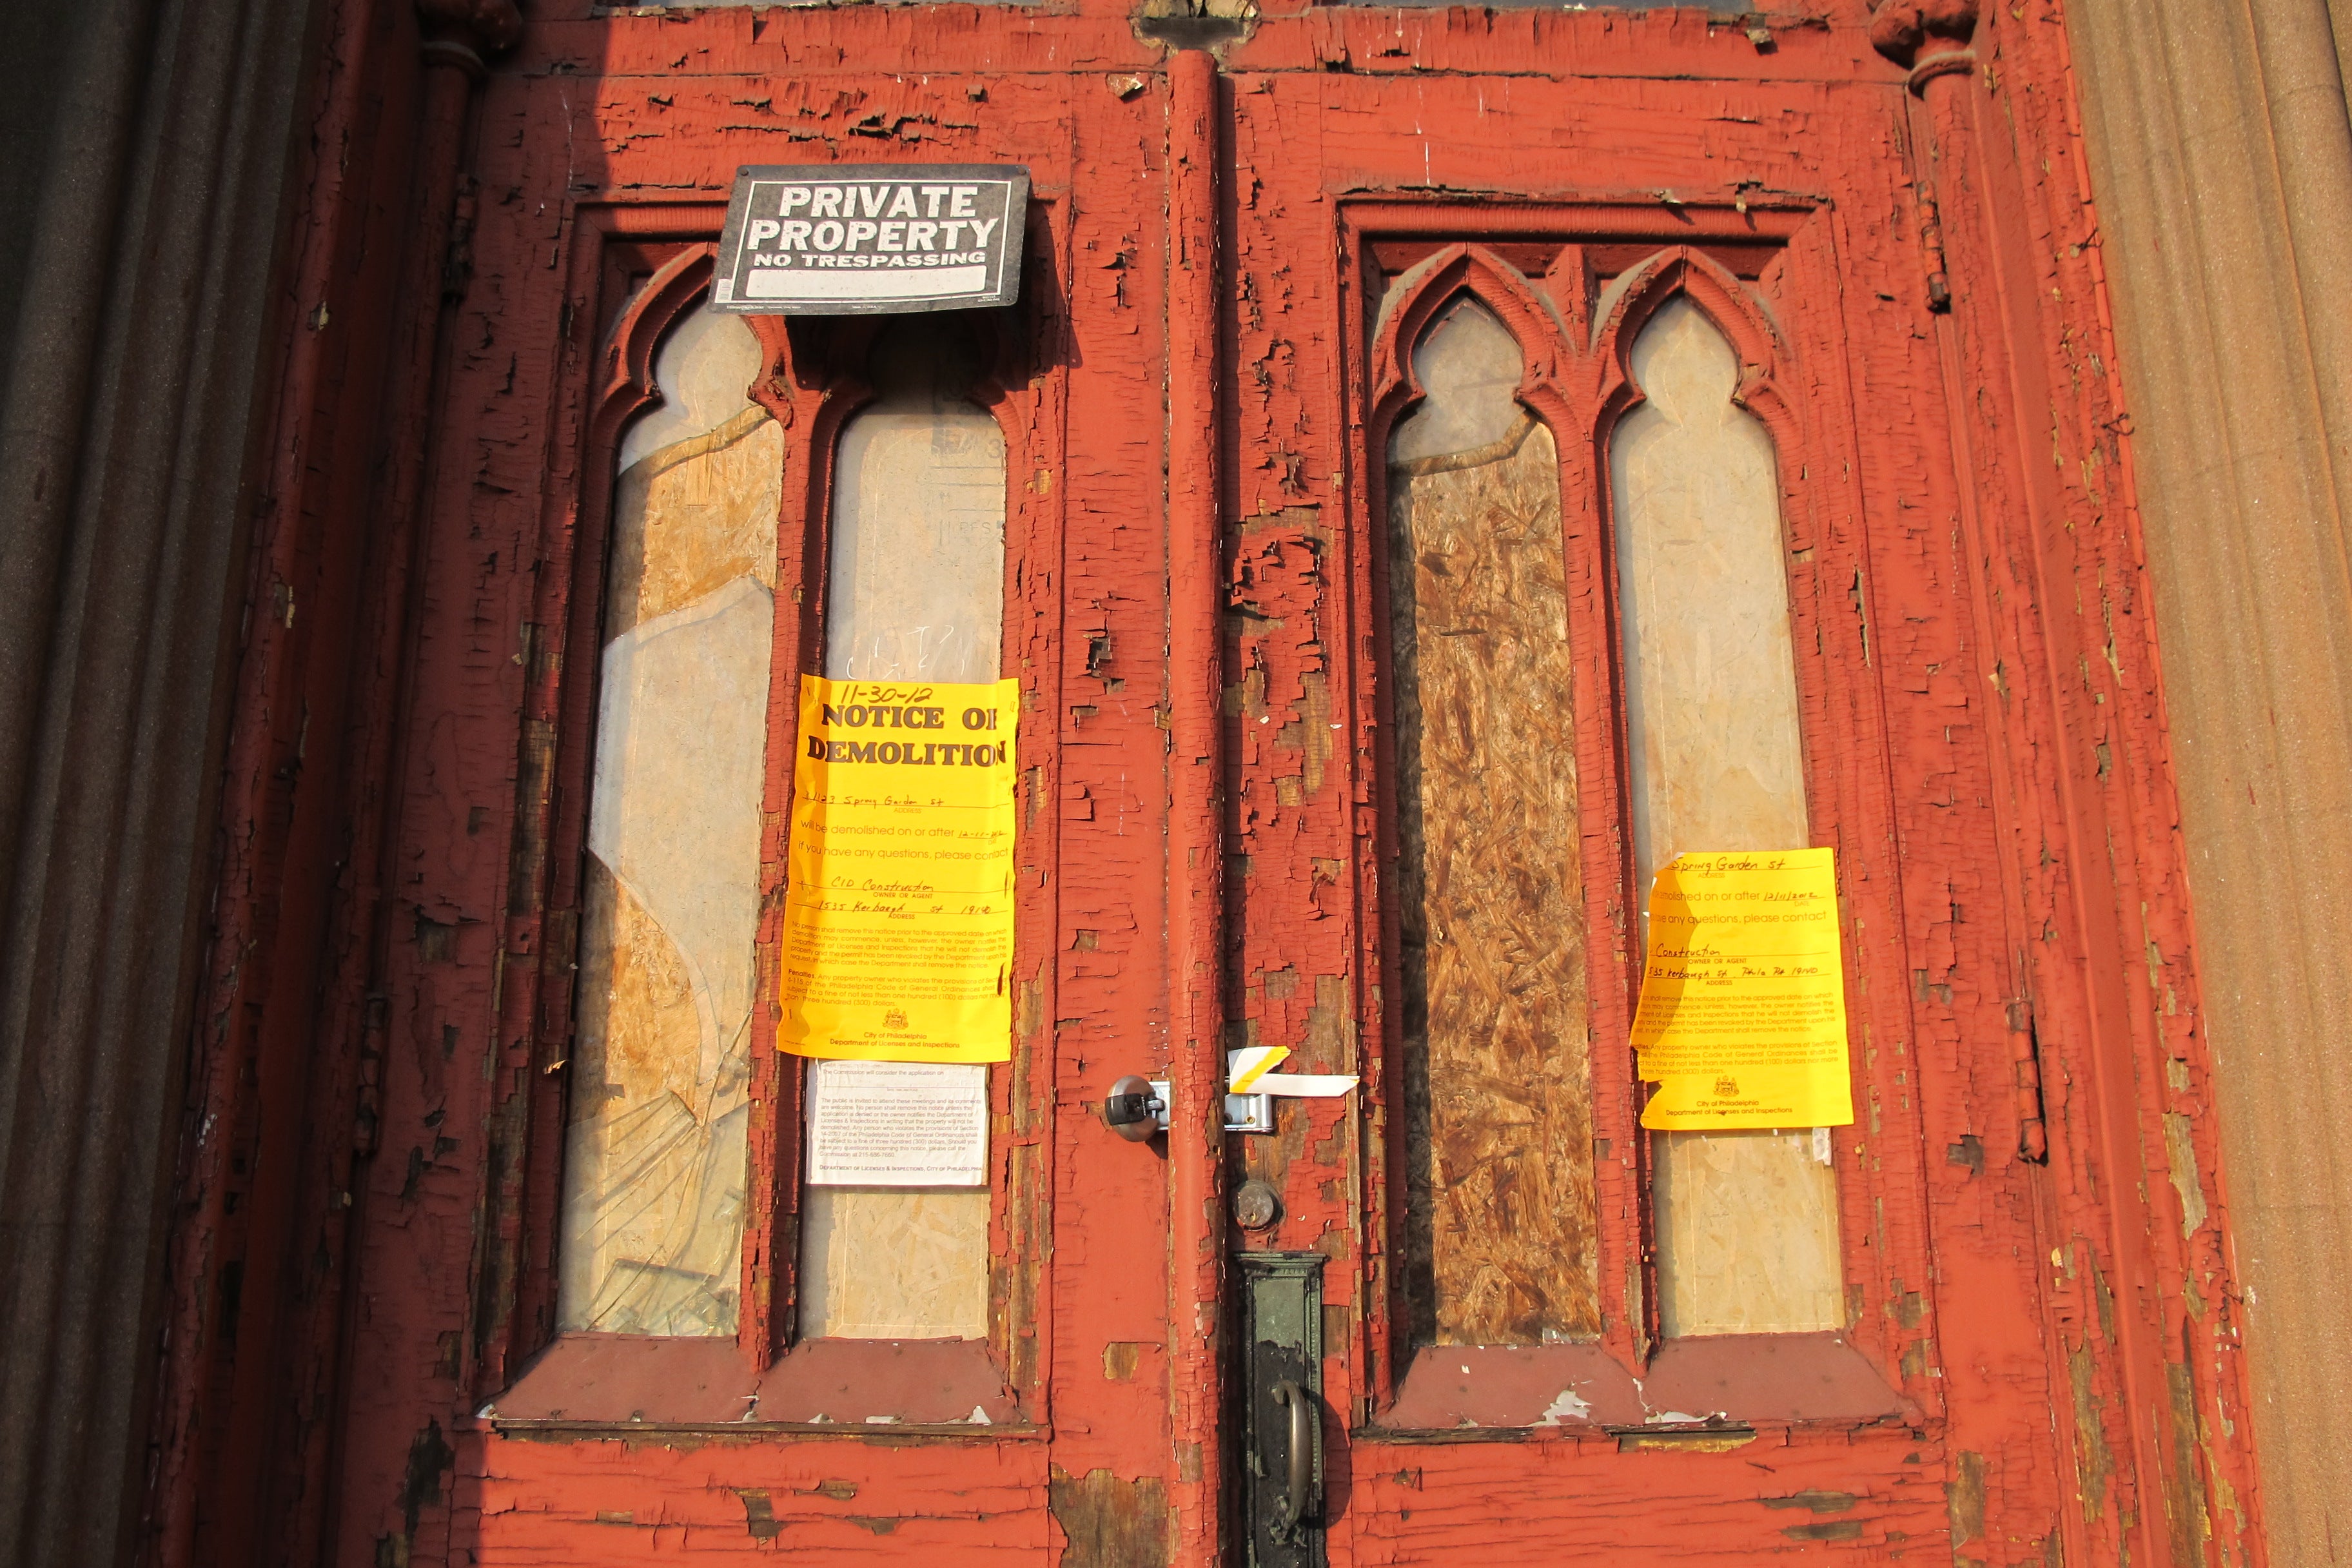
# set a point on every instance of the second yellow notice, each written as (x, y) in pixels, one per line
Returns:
(1742, 1017)
(898, 942)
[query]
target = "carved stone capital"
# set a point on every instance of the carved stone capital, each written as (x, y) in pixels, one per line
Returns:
(482, 27)
(1906, 30)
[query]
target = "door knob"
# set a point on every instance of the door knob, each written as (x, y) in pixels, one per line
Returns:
(1136, 1107)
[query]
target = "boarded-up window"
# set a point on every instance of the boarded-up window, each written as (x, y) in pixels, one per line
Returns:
(655, 1155)
(1747, 1222)
(915, 591)
(1499, 1137)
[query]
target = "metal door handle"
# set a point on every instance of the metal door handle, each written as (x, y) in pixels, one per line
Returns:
(1296, 1501)
(1137, 1108)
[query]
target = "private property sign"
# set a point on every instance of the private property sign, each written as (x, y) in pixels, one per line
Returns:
(833, 241)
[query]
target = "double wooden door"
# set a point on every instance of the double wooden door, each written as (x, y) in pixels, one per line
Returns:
(1444, 464)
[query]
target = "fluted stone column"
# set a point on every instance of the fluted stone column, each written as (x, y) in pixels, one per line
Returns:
(148, 145)
(2221, 159)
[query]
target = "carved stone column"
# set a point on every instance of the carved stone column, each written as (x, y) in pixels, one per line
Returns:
(148, 144)
(1995, 186)
(276, 1112)
(457, 39)
(1930, 38)
(2222, 157)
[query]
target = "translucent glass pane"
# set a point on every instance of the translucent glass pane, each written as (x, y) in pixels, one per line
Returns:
(916, 586)
(1747, 1222)
(916, 592)
(655, 1161)
(1489, 885)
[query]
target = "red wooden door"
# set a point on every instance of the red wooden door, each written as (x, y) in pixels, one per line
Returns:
(1586, 443)
(1442, 464)
(599, 1313)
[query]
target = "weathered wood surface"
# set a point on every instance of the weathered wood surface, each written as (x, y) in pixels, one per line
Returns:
(1978, 665)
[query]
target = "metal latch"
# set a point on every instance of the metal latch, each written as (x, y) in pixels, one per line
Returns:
(1249, 1114)
(1137, 1108)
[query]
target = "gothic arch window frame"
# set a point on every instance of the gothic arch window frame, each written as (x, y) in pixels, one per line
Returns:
(812, 384)
(1549, 391)
(561, 705)
(1635, 299)
(819, 385)
(1576, 339)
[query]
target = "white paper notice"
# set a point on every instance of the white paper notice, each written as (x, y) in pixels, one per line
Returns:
(898, 1124)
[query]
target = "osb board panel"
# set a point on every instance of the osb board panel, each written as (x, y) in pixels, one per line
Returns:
(653, 1207)
(654, 1200)
(1747, 1221)
(1497, 1094)
(893, 1262)
(914, 589)
(691, 518)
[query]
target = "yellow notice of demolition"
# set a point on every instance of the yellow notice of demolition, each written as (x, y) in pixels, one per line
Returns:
(1742, 1020)
(897, 941)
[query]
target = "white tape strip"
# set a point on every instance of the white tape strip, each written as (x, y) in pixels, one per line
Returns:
(1305, 1085)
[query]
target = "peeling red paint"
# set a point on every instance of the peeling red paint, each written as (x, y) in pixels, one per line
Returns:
(1190, 610)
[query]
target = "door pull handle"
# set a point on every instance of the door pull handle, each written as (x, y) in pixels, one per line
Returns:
(1296, 1502)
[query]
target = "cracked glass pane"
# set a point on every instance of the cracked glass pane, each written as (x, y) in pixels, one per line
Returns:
(654, 1156)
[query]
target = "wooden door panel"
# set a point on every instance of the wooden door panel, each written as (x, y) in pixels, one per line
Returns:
(1797, 192)
(727, 1498)
(618, 137)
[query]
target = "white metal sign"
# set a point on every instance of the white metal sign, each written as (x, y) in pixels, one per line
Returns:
(835, 240)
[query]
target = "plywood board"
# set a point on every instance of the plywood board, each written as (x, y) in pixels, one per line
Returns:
(1499, 1087)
